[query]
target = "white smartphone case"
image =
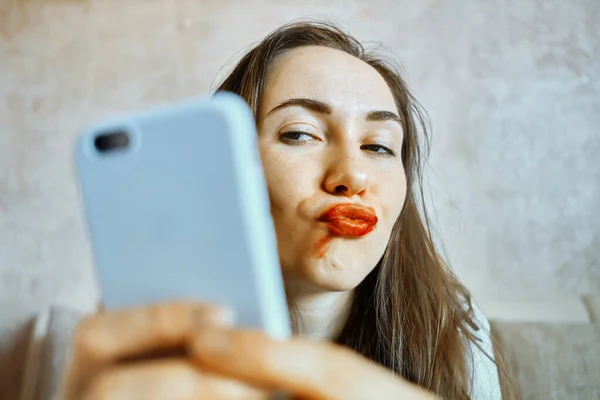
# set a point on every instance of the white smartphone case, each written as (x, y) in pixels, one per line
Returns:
(182, 213)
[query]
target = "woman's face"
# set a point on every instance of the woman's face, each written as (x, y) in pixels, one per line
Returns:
(329, 136)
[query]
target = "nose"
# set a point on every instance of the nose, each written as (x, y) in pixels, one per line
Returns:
(346, 177)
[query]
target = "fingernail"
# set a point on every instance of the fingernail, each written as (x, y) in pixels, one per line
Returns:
(211, 340)
(226, 316)
(221, 316)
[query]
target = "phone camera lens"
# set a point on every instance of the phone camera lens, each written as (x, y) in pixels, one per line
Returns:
(111, 141)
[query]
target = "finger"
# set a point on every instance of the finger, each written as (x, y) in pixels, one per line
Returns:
(126, 333)
(110, 336)
(301, 367)
(166, 379)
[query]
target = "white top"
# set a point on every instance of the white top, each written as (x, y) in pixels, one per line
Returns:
(486, 384)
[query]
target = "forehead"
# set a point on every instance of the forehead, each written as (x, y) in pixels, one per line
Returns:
(328, 75)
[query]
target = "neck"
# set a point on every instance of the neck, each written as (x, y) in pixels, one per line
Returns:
(319, 314)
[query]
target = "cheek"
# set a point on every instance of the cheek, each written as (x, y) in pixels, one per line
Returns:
(282, 178)
(397, 198)
(391, 190)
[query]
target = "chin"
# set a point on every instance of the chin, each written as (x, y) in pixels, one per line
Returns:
(334, 274)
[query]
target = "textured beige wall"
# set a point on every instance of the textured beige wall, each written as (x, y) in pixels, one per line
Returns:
(513, 89)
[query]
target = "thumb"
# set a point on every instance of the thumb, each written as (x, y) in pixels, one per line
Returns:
(305, 368)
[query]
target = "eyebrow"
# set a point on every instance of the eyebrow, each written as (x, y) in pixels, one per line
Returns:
(309, 104)
(324, 108)
(383, 116)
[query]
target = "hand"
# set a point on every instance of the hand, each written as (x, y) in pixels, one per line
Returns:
(303, 368)
(114, 356)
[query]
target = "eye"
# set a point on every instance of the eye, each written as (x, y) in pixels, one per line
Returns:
(378, 149)
(297, 138)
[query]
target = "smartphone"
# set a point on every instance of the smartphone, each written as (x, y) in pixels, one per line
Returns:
(177, 209)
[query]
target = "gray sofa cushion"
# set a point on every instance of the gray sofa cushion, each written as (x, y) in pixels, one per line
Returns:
(552, 361)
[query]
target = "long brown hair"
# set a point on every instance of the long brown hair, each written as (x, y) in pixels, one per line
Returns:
(410, 314)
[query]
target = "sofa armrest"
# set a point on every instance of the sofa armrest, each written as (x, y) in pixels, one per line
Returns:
(50, 339)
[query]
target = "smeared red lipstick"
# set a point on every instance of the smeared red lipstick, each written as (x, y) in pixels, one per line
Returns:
(349, 220)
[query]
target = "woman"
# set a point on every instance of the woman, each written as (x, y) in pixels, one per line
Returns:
(337, 128)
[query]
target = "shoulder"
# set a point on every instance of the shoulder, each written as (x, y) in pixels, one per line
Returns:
(480, 357)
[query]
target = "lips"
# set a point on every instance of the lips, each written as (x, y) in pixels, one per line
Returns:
(349, 220)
